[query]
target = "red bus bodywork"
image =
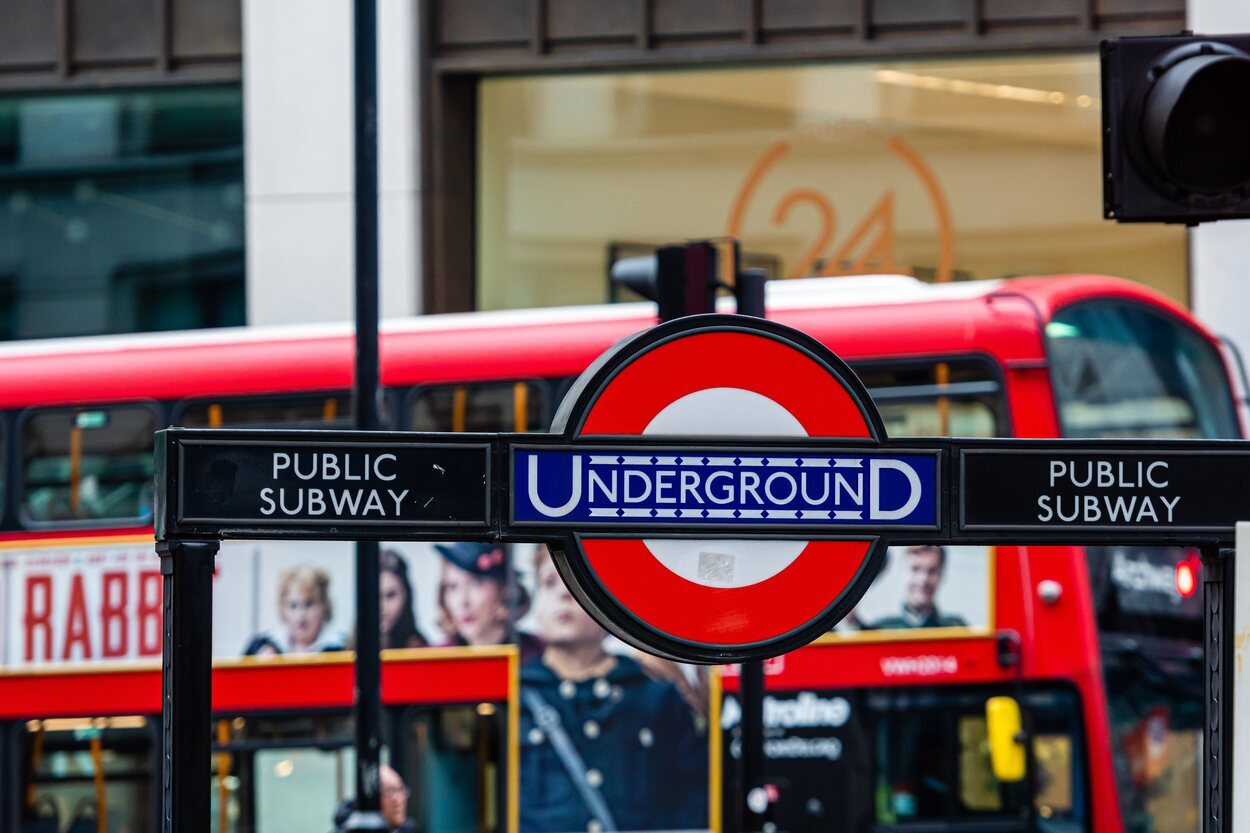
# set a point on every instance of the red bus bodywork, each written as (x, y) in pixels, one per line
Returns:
(860, 319)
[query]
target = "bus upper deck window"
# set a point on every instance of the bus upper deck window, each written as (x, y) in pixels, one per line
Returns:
(83, 464)
(1123, 370)
(490, 406)
(956, 397)
(329, 410)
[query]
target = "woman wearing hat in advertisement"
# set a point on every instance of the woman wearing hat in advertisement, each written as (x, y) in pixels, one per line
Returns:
(603, 745)
(477, 600)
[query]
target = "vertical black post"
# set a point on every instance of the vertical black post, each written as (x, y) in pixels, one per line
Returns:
(368, 663)
(186, 684)
(1217, 740)
(752, 693)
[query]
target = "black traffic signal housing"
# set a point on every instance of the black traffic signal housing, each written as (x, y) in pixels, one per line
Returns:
(683, 279)
(1176, 128)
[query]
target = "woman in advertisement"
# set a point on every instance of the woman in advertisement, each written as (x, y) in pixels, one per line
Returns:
(305, 610)
(603, 745)
(397, 617)
(477, 600)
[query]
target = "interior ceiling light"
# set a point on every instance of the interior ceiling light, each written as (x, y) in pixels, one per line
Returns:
(960, 86)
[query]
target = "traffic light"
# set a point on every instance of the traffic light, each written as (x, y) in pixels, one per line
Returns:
(1176, 128)
(683, 279)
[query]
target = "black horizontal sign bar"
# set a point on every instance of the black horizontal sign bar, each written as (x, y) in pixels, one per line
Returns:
(343, 485)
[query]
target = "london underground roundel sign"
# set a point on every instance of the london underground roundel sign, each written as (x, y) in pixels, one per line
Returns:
(719, 488)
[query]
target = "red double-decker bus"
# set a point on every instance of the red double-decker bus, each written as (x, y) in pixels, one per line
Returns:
(880, 725)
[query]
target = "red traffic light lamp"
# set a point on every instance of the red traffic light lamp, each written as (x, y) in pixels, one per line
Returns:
(1176, 128)
(1187, 574)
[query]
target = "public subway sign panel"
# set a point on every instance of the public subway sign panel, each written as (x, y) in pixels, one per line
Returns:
(364, 482)
(1118, 489)
(713, 489)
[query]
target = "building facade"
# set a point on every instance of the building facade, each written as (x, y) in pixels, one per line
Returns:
(121, 167)
(172, 164)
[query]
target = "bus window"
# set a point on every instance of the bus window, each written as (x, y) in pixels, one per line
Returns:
(452, 758)
(932, 760)
(88, 464)
(300, 788)
(1052, 755)
(78, 771)
(492, 406)
(330, 410)
(279, 773)
(1123, 370)
(957, 397)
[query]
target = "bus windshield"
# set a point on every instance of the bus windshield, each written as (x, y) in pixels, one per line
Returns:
(1121, 369)
(916, 758)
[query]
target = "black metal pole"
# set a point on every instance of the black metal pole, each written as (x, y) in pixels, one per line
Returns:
(752, 693)
(1218, 656)
(186, 684)
(366, 816)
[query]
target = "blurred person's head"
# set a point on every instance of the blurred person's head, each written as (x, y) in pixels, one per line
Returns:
(476, 598)
(923, 569)
(396, 615)
(394, 797)
(562, 623)
(304, 604)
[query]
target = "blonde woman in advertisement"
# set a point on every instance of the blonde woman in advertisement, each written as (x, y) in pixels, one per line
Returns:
(305, 610)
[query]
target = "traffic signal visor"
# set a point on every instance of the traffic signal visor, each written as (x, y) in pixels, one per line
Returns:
(1176, 128)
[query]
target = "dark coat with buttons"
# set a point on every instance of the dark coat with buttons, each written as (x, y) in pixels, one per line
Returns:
(638, 741)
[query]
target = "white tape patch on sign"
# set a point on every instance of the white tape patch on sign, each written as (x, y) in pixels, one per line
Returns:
(720, 562)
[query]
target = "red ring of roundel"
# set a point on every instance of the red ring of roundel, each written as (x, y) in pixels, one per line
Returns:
(674, 606)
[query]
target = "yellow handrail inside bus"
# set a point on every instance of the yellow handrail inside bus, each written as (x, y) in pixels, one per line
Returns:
(943, 402)
(223, 770)
(214, 415)
(36, 758)
(329, 409)
(75, 470)
(520, 407)
(97, 767)
(459, 404)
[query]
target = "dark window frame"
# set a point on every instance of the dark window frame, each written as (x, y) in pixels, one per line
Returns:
(548, 385)
(1021, 692)
(22, 518)
(12, 739)
(182, 406)
(1000, 407)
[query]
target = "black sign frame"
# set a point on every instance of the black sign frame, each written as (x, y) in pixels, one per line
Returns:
(966, 512)
(1205, 462)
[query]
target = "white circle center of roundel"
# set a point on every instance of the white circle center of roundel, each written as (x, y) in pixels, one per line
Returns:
(725, 412)
(722, 412)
